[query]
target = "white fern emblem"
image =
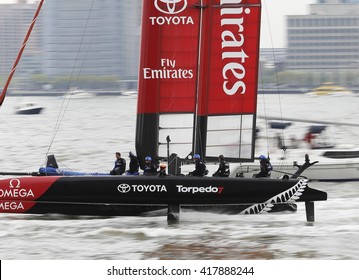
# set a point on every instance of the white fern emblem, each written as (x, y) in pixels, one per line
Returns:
(288, 196)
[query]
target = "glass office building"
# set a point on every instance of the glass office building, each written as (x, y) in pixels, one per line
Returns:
(72, 38)
(14, 21)
(91, 37)
(326, 39)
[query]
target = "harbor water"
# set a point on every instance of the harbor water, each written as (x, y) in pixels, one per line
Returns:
(84, 134)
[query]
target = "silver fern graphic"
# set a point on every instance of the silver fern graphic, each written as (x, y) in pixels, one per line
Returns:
(289, 196)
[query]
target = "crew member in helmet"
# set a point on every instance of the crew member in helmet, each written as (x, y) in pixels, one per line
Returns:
(265, 166)
(150, 168)
(223, 169)
(200, 169)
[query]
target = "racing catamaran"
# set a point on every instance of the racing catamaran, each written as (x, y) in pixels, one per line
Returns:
(198, 89)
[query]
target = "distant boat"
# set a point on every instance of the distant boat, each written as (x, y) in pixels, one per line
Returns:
(78, 93)
(330, 89)
(29, 109)
(129, 93)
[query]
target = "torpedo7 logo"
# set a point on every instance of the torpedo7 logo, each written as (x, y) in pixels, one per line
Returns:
(193, 190)
(171, 6)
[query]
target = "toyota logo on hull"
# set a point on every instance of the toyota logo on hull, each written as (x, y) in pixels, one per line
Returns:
(171, 6)
(123, 188)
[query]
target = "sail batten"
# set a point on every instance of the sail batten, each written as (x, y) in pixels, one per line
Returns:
(198, 70)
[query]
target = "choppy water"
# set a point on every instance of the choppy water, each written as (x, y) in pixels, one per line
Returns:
(93, 129)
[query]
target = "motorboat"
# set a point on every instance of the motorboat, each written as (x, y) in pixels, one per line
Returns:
(29, 109)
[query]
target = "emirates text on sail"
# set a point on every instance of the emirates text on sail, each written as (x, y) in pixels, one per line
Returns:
(165, 73)
(232, 40)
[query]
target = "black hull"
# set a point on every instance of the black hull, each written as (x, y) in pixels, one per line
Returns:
(33, 111)
(73, 209)
(138, 195)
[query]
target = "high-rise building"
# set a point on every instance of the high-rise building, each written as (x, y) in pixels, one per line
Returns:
(326, 39)
(73, 38)
(86, 37)
(14, 22)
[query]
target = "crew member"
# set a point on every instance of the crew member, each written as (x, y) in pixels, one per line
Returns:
(134, 165)
(120, 165)
(200, 169)
(265, 166)
(223, 169)
(149, 168)
(162, 172)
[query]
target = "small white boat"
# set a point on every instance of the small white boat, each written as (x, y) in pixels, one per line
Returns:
(78, 93)
(29, 109)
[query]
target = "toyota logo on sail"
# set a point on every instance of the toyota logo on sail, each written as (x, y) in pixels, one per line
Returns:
(171, 6)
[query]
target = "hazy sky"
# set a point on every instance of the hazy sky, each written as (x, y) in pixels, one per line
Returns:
(274, 14)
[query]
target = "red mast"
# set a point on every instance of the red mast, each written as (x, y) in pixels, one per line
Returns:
(3, 93)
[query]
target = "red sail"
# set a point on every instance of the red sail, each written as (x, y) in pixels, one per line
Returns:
(169, 57)
(167, 76)
(198, 77)
(228, 77)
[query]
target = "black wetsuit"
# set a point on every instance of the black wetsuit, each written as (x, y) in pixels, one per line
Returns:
(266, 167)
(150, 169)
(134, 166)
(120, 167)
(200, 170)
(223, 169)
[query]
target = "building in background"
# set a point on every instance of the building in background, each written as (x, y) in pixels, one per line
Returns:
(74, 42)
(325, 40)
(89, 44)
(86, 39)
(14, 22)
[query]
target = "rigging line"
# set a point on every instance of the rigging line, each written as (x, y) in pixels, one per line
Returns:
(64, 104)
(275, 68)
(277, 81)
(264, 107)
(10, 129)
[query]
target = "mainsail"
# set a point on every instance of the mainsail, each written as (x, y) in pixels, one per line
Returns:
(198, 78)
